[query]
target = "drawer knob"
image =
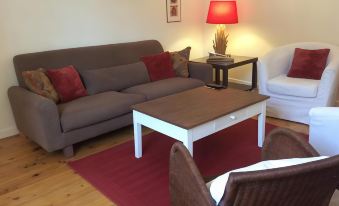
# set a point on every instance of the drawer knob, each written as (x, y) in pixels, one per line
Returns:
(232, 117)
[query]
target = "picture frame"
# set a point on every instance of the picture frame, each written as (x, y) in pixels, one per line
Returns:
(173, 10)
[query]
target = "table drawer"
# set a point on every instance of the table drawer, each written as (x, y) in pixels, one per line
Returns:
(225, 121)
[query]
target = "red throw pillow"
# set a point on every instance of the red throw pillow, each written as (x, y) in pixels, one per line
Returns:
(159, 66)
(67, 83)
(308, 64)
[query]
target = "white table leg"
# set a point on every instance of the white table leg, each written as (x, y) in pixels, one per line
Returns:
(261, 125)
(188, 142)
(137, 139)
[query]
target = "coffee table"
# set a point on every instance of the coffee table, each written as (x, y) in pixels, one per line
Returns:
(194, 114)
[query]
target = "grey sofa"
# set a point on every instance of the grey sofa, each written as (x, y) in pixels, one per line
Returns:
(59, 126)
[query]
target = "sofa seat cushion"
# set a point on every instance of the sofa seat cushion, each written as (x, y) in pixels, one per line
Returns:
(90, 110)
(164, 87)
(293, 86)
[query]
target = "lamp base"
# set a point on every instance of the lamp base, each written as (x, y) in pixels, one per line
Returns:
(220, 40)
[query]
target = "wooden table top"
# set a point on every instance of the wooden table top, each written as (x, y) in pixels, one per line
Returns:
(194, 107)
(238, 61)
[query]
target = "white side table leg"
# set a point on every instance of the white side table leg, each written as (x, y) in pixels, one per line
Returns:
(188, 142)
(261, 125)
(137, 138)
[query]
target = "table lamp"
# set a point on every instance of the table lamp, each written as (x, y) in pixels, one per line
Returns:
(221, 13)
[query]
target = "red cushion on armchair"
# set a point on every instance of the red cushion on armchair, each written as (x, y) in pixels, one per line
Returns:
(159, 66)
(308, 64)
(67, 83)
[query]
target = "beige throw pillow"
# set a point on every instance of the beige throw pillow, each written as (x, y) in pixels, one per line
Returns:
(180, 62)
(180, 65)
(38, 82)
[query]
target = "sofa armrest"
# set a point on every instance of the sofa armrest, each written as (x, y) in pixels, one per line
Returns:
(36, 117)
(327, 90)
(324, 123)
(276, 62)
(325, 113)
(273, 64)
(201, 71)
(282, 143)
(186, 185)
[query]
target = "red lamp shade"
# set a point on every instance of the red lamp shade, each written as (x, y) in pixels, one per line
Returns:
(222, 12)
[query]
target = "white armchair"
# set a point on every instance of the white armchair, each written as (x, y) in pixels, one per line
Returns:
(292, 98)
(324, 130)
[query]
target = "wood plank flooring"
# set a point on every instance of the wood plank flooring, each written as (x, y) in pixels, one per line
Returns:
(30, 176)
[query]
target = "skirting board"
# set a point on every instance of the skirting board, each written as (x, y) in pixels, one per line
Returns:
(239, 81)
(7, 132)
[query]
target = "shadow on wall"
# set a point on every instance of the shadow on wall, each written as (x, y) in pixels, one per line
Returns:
(184, 42)
(243, 40)
(248, 42)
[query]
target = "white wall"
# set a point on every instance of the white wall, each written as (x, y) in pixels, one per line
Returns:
(37, 25)
(265, 24)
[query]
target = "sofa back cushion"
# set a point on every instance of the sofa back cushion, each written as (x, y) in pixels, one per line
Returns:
(114, 78)
(85, 58)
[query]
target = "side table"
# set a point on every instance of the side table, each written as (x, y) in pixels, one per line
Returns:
(238, 61)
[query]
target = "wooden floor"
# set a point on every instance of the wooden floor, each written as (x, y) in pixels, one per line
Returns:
(30, 176)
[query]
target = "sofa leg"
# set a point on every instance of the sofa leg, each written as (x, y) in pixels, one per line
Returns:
(68, 151)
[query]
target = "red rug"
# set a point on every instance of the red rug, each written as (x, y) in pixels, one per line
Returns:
(128, 181)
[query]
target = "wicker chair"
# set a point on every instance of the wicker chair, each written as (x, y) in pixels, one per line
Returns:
(309, 184)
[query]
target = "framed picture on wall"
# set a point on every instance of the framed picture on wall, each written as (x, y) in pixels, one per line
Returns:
(173, 9)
